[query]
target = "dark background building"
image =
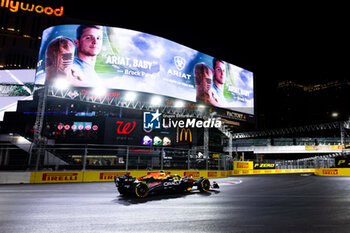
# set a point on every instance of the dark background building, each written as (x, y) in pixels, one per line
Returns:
(302, 45)
(20, 33)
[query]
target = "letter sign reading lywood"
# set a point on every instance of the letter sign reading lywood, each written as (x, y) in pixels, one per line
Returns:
(15, 6)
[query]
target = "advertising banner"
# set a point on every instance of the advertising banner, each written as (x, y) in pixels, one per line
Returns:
(264, 165)
(242, 165)
(116, 58)
(327, 148)
(342, 162)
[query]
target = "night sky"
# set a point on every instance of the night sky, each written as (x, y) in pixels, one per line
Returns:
(277, 42)
(307, 44)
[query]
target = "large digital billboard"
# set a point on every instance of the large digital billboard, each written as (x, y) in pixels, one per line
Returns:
(116, 58)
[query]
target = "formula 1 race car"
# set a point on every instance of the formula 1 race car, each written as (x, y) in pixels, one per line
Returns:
(158, 182)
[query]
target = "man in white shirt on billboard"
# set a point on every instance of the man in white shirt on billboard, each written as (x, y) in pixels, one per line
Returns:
(89, 45)
(219, 73)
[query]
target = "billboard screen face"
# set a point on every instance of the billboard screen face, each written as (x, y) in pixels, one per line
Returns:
(90, 56)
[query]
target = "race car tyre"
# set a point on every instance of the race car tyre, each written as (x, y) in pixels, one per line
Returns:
(122, 191)
(141, 190)
(204, 185)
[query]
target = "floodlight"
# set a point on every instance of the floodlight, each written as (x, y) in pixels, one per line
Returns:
(100, 91)
(201, 107)
(335, 114)
(61, 83)
(130, 96)
(179, 104)
(156, 100)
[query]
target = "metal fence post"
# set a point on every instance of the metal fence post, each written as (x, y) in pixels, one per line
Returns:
(127, 158)
(206, 147)
(84, 158)
(162, 159)
(188, 159)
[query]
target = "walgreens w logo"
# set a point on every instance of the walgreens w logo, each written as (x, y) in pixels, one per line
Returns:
(125, 128)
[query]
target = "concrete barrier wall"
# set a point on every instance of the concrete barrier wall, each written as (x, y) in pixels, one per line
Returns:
(102, 176)
(271, 171)
(332, 172)
(108, 176)
(15, 177)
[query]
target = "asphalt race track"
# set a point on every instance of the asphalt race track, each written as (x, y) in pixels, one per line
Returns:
(270, 203)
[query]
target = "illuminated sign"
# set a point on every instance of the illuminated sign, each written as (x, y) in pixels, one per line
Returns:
(192, 174)
(15, 6)
(264, 166)
(330, 172)
(185, 135)
(125, 128)
(151, 120)
(147, 140)
(240, 165)
(78, 126)
(157, 141)
(70, 176)
(110, 175)
(140, 150)
(192, 123)
(341, 162)
(166, 141)
(137, 61)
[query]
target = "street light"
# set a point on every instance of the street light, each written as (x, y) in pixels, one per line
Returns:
(156, 100)
(100, 91)
(335, 114)
(130, 96)
(61, 84)
(179, 104)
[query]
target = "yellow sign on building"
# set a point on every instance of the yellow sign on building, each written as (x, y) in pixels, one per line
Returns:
(242, 165)
(185, 135)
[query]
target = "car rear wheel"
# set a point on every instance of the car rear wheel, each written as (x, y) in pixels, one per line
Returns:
(141, 190)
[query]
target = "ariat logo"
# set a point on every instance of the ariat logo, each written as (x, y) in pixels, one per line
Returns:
(15, 6)
(330, 172)
(66, 176)
(179, 62)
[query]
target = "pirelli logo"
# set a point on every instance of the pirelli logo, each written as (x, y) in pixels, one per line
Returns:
(111, 175)
(193, 174)
(330, 172)
(243, 165)
(61, 176)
